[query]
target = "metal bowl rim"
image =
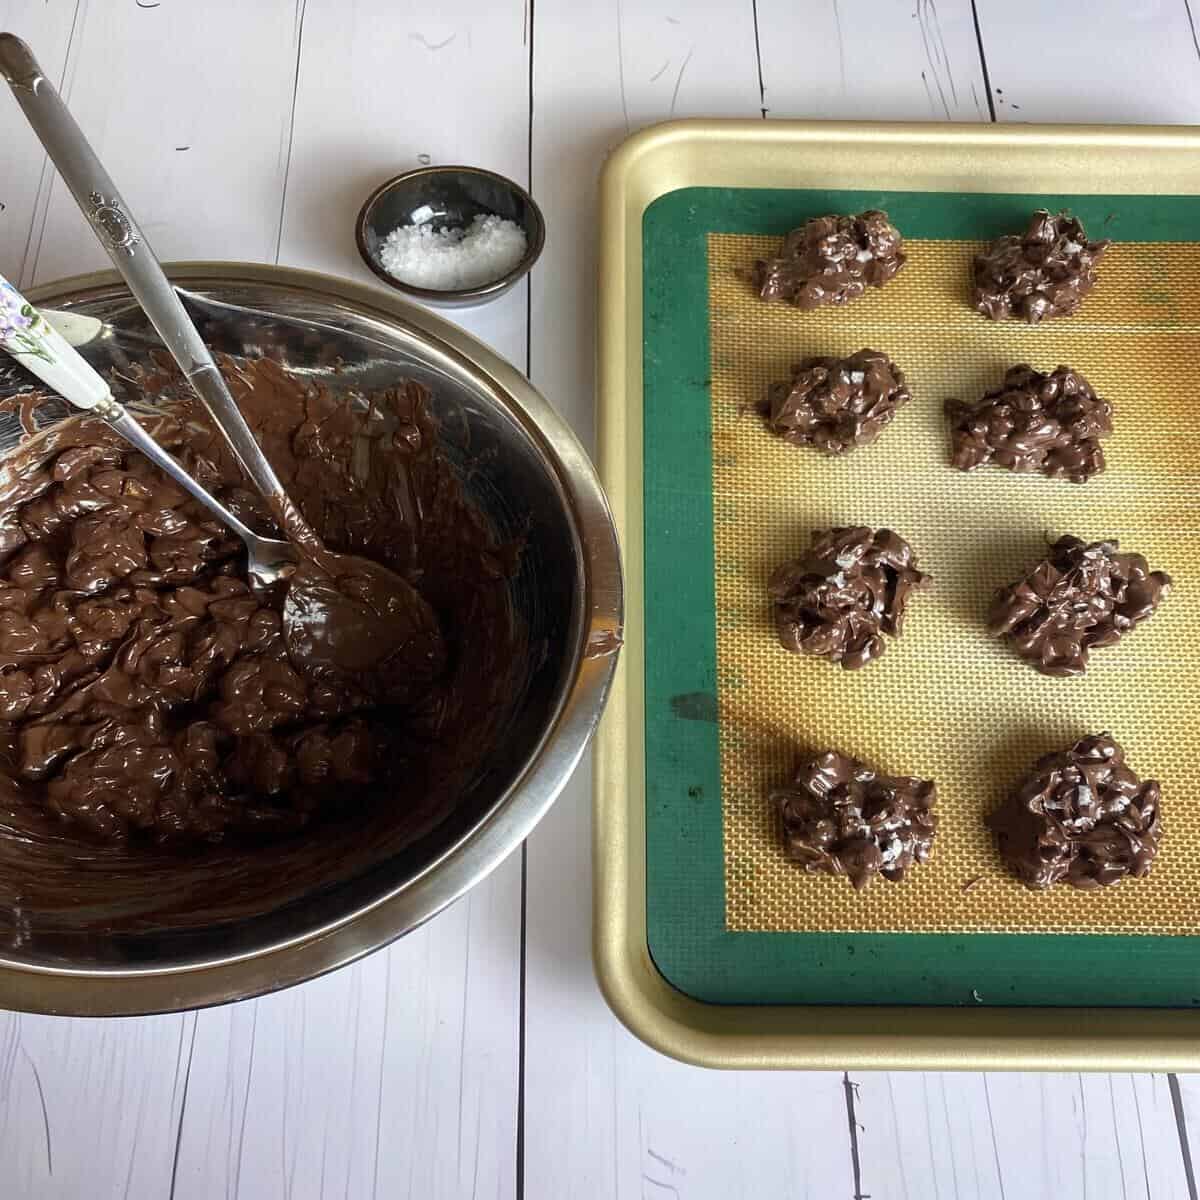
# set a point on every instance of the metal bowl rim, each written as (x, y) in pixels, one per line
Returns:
(92, 991)
(454, 296)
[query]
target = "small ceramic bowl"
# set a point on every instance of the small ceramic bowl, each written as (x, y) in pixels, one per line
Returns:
(448, 197)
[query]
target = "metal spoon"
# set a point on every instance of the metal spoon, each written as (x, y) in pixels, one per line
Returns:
(381, 601)
(40, 348)
(100, 202)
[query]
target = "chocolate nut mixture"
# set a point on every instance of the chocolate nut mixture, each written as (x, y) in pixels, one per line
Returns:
(831, 260)
(146, 693)
(1082, 596)
(838, 600)
(1081, 815)
(842, 817)
(1042, 273)
(836, 404)
(1050, 424)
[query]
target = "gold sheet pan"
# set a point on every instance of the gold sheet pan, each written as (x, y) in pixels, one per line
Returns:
(945, 158)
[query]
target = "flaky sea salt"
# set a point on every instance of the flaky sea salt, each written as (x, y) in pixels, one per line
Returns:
(449, 259)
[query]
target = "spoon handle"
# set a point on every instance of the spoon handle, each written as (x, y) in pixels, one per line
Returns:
(40, 348)
(126, 245)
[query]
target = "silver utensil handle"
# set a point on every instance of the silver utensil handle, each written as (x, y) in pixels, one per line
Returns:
(126, 245)
(39, 347)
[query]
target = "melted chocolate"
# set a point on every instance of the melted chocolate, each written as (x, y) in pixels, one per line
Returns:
(1081, 815)
(1051, 424)
(852, 587)
(1042, 273)
(836, 404)
(154, 711)
(832, 260)
(1081, 597)
(842, 817)
(350, 622)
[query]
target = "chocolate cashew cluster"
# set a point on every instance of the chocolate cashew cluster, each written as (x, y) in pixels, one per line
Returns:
(1082, 596)
(832, 260)
(1042, 273)
(1081, 815)
(842, 817)
(836, 404)
(851, 588)
(1034, 422)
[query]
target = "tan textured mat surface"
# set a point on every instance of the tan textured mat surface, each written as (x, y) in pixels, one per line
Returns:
(945, 701)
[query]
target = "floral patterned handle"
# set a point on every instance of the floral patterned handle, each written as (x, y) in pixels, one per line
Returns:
(40, 348)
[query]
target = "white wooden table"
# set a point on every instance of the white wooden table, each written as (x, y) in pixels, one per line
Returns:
(476, 1058)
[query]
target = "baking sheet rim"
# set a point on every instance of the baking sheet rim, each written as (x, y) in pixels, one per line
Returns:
(835, 154)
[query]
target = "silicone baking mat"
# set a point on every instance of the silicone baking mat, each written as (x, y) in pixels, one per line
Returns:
(730, 918)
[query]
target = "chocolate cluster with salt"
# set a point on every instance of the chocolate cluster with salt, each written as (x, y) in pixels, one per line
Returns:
(1082, 816)
(1037, 275)
(839, 599)
(832, 260)
(843, 817)
(837, 404)
(1034, 422)
(1082, 596)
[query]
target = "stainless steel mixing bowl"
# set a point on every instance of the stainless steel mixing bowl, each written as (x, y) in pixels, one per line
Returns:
(530, 476)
